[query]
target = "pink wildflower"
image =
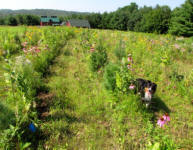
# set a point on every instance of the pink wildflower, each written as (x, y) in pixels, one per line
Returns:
(166, 117)
(24, 50)
(37, 50)
(130, 59)
(24, 44)
(131, 87)
(161, 122)
(177, 46)
(92, 49)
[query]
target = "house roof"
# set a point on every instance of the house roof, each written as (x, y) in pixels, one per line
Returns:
(48, 19)
(79, 23)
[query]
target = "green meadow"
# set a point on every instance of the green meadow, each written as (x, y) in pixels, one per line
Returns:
(68, 88)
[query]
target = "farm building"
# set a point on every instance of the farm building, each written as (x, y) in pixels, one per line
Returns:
(78, 23)
(49, 21)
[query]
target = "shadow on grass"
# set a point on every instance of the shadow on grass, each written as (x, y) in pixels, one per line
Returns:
(7, 116)
(158, 105)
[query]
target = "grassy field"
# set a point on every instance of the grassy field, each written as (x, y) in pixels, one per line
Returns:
(75, 110)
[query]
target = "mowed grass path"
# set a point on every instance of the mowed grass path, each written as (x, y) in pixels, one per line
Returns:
(83, 115)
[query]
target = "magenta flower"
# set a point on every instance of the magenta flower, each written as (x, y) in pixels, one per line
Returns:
(161, 122)
(130, 59)
(131, 87)
(166, 117)
(129, 66)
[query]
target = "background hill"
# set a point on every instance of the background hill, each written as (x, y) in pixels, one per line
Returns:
(39, 12)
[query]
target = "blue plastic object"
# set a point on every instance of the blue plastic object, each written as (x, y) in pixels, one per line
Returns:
(32, 127)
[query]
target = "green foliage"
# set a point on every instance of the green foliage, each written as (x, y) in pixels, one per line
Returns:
(120, 50)
(12, 21)
(98, 58)
(110, 76)
(156, 20)
(24, 78)
(82, 113)
(11, 43)
(182, 20)
(15, 20)
(124, 78)
(165, 143)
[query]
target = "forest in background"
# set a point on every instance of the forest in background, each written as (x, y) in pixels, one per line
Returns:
(160, 19)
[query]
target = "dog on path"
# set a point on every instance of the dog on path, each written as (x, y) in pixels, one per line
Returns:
(145, 88)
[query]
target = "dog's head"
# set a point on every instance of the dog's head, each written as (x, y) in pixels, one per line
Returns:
(150, 87)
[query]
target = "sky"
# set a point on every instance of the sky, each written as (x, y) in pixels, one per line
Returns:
(83, 5)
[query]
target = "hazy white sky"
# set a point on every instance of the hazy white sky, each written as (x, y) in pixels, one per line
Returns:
(83, 5)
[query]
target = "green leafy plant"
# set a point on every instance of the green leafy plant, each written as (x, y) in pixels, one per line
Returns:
(110, 76)
(120, 50)
(98, 58)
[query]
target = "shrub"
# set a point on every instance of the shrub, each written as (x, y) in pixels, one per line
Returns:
(124, 78)
(118, 77)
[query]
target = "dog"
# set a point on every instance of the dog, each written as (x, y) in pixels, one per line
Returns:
(146, 89)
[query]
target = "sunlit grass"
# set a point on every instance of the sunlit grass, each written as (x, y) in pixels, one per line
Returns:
(84, 115)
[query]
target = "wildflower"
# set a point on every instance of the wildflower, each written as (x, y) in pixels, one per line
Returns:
(28, 61)
(166, 117)
(177, 46)
(131, 87)
(130, 60)
(24, 44)
(24, 50)
(92, 49)
(99, 71)
(183, 50)
(179, 38)
(37, 50)
(129, 66)
(161, 122)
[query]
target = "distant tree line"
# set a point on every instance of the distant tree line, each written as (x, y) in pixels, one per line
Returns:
(14, 20)
(160, 19)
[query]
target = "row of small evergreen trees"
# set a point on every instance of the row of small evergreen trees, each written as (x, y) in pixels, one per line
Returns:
(160, 19)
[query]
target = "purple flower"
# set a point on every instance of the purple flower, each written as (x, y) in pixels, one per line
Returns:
(166, 117)
(161, 122)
